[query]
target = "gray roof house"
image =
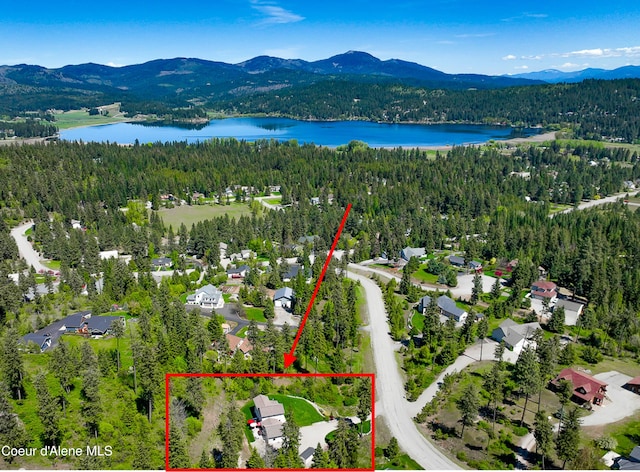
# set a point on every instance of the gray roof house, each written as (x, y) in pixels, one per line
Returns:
(162, 262)
(572, 310)
(307, 457)
(409, 252)
(80, 323)
(284, 297)
(238, 272)
(207, 297)
(515, 336)
(632, 463)
(457, 261)
(270, 415)
(447, 307)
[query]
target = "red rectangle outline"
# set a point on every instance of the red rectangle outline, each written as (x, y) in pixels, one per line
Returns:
(167, 377)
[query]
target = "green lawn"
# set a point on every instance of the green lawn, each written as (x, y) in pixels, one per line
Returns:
(417, 321)
(256, 314)
(243, 332)
(53, 265)
(423, 276)
(273, 201)
(303, 412)
(190, 214)
(401, 462)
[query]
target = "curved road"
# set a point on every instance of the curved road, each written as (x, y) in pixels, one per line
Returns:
(390, 387)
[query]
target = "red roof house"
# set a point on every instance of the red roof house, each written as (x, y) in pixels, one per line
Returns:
(544, 289)
(634, 385)
(586, 389)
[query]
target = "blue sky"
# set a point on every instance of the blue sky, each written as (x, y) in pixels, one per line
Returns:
(455, 36)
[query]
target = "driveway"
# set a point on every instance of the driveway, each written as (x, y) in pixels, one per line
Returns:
(313, 434)
(391, 402)
(619, 404)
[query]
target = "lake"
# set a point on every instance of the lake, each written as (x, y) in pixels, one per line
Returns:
(325, 133)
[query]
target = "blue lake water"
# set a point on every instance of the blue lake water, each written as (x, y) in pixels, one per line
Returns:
(333, 133)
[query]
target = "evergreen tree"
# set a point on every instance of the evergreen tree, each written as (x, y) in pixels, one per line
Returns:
(568, 439)
(482, 330)
(393, 449)
(12, 364)
(254, 461)
(12, 432)
(320, 458)
(117, 329)
(205, 460)
(178, 456)
(48, 412)
(476, 291)
(143, 447)
(496, 289)
(527, 376)
(468, 405)
(543, 433)
(556, 322)
(343, 448)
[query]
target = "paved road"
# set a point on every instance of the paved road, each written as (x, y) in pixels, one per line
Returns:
(592, 203)
(390, 387)
(26, 249)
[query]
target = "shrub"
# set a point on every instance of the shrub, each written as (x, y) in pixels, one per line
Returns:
(520, 431)
(193, 426)
(606, 442)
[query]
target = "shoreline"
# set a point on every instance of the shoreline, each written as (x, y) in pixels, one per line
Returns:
(538, 138)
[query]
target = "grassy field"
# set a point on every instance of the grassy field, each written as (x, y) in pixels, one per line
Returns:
(76, 118)
(256, 314)
(423, 276)
(401, 462)
(192, 214)
(273, 201)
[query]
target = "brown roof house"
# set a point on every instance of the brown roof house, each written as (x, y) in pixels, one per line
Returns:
(586, 389)
(270, 415)
(633, 385)
(236, 343)
(544, 289)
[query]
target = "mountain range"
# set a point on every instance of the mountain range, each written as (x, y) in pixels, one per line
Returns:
(181, 81)
(554, 76)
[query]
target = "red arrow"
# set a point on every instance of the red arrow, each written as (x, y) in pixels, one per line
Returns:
(288, 356)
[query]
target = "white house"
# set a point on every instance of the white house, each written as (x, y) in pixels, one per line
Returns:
(284, 297)
(270, 415)
(572, 310)
(206, 297)
(515, 336)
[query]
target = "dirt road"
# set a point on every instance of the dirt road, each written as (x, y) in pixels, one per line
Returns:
(391, 402)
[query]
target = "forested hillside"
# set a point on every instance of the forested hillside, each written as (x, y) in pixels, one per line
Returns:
(594, 109)
(486, 202)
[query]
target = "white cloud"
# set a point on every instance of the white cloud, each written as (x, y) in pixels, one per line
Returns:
(568, 65)
(521, 67)
(585, 52)
(628, 51)
(113, 64)
(524, 16)
(274, 14)
(445, 41)
(509, 57)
